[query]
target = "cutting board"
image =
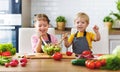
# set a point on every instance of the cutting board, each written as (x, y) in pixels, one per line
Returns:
(45, 56)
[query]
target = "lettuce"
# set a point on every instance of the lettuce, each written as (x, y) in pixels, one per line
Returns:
(116, 51)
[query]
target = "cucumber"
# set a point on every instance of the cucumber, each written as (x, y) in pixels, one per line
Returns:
(79, 62)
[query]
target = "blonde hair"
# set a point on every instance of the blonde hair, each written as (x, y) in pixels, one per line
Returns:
(82, 15)
(39, 17)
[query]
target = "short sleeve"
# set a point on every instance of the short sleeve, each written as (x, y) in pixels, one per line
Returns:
(70, 39)
(34, 40)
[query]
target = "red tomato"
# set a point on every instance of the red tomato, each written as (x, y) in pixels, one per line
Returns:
(103, 62)
(23, 64)
(86, 62)
(13, 64)
(68, 53)
(86, 52)
(6, 53)
(15, 60)
(57, 56)
(7, 64)
(0, 53)
(91, 65)
(98, 64)
(23, 60)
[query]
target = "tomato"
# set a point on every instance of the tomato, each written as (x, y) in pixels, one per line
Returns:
(6, 64)
(86, 52)
(57, 56)
(23, 64)
(86, 62)
(103, 62)
(23, 60)
(13, 64)
(15, 60)
(91, 65)
(68, 53)
(6, 53)
(98, 64)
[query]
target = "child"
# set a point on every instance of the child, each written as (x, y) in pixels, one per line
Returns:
(81, 40)
(41, 22)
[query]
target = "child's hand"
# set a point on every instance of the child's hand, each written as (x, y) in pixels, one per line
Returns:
(65, 37)
(95, 28)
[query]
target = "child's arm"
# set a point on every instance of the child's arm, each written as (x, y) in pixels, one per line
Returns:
(96, 30)
(66, 43)
(39, 46)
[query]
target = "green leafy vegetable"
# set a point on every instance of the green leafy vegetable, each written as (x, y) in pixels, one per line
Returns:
(7, 47)
(112, 63)
(4, 60)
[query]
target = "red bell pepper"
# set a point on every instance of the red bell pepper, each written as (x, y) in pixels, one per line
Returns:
(6, 53)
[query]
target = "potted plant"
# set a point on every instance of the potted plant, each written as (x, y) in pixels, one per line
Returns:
(108, 21)
(117, 15)
(61, 21)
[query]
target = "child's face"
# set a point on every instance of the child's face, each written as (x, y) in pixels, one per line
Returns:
(42, 27)
(81, 24)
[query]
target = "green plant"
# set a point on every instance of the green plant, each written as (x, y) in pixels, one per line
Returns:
(117, 15)
(108, 19)
(60, 19)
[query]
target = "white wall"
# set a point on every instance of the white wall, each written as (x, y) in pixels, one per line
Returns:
(96, 9)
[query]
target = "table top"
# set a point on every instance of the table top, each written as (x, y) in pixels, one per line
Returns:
(50, 65)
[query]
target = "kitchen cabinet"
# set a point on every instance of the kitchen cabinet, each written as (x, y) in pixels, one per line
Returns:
(114, 40)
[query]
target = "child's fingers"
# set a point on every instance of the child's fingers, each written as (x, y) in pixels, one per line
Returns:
(64, 35)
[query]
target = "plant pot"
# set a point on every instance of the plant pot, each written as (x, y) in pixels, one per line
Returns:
(61, 26)
(116, 23)
(108, 25)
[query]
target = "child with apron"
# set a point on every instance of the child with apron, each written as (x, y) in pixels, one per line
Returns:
(80, 44)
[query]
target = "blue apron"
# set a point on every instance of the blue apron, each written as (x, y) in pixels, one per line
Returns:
(80, 44)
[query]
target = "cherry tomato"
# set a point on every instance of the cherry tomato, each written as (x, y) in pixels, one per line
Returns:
(86, 52)
(13, 64)
(23, 64)
(103, 62)
(86, 62)
(57, 56)
(7, 64)
(98, 64)
(91, 65)
(23, 60)
(15, 60)
(68, 53)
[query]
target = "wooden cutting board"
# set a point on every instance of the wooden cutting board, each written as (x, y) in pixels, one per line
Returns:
(45, 56)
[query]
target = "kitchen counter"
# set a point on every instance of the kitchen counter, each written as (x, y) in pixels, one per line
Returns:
(50, 65)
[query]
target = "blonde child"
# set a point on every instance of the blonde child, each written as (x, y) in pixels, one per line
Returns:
(82, 40)
(41, 22)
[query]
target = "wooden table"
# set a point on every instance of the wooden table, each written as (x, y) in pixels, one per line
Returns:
(50, 65)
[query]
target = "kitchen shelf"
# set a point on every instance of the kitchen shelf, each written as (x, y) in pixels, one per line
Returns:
(67, 30)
